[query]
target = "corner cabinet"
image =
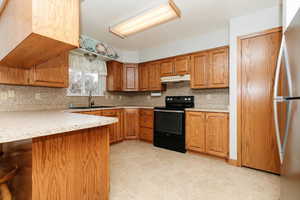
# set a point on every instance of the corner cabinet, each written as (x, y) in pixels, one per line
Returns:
(208, 133)
(210, 69)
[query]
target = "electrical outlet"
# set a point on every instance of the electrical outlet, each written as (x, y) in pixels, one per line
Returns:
(106, 97)
(11, 94)
(112, 97)
(120, 97)
(38, 96)
(3, 95)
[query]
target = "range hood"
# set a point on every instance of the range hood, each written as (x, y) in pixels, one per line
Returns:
(169, 79)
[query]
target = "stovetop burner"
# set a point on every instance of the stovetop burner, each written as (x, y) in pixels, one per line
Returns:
(178, 103)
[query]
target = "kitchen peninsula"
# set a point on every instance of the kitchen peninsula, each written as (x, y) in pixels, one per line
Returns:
(60, 155)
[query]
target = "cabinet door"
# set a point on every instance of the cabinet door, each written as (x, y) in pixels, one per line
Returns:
(182, 65)
(130, 77)
(167, 68)
(146, 134)
(154, 77)
(131, 123)
(217, 134)
(53, 73)
(199, 70)
(114, 76)
(195, 131)
(144, 77)
(115, 130)
(219, 74)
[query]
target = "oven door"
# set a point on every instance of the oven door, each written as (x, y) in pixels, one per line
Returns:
(169, 122)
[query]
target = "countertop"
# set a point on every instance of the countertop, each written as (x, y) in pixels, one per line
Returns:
(16, 126)
(219, 110)
(196, 109)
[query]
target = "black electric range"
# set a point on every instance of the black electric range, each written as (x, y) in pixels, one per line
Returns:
(169, 123)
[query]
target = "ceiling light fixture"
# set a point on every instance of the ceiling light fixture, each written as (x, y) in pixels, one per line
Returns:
(146, 20)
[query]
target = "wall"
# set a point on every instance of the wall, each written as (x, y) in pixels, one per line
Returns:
(259, 21)
(290, 8)
(20, 98)
(201, 42)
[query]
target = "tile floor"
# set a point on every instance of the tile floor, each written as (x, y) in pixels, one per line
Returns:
(140, 171)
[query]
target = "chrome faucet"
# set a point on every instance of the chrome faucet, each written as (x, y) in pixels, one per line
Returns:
(90, 102)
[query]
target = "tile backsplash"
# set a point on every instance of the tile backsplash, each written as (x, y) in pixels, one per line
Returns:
(17, 98)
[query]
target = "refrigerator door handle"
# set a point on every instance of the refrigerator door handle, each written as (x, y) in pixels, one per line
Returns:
(277, 99)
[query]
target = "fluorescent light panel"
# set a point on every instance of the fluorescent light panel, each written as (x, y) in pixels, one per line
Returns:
(147, 19)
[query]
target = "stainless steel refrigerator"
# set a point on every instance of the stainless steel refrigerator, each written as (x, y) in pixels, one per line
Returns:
(288, 138)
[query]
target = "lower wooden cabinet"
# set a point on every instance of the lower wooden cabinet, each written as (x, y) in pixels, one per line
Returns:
(131, 123)
(207, 133)
(115, 130)
(146, 124)
(195, 131)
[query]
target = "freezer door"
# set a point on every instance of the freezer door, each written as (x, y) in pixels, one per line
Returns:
(292, 36)
(290, 180)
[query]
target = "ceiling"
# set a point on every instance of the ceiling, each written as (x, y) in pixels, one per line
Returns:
(198, 17)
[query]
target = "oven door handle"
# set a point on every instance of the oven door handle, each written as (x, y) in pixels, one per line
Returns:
(170, 111)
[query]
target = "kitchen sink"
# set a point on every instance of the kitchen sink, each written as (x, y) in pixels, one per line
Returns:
(92, 107)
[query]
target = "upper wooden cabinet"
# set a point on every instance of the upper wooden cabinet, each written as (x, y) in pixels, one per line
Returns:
(167, 67)
(200, 70)
(114, 76)
(182, 65)
(154, 77)
(130, 77)
(53, 73)
(35, 31)
(219, 74)
(209, 69)
(144, 77)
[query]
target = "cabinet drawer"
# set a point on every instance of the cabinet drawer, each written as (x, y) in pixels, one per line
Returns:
(98, 112)
(146, 134)
(146, 118)
(109, 112)
(148, 112)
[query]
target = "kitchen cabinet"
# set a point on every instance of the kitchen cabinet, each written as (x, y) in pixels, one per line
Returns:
(131, 123)
(144, 77)
(167, 67)
(35, 31)
(209, 69)
(130, 77)
(114, 76)
(115, 130)
(53, 73)
(199, 70)
(146, 124)
(182, 65)
(217, 134)
(207, 133)
(218, 73)
(154, 77)
(195, 131)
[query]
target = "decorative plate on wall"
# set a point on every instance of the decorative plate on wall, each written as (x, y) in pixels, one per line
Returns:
(2, 5)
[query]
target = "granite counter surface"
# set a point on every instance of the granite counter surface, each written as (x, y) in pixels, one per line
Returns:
(16, 126)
